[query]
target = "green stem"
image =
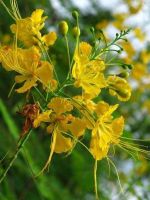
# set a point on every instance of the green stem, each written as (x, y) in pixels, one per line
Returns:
(10, 92)
(49, 59)
(95, 180)
(42, 96)
(22, 142)
(68, 53)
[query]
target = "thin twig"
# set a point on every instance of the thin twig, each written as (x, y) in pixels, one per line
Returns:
(22, 142)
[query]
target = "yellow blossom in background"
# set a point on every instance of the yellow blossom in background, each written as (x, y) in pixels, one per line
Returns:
(128, 48)
(139, 34)
(139, 71)
(142, 166)
(146, 105)
(145, 57)
(119, 19)
(134, 7)
(102, 24)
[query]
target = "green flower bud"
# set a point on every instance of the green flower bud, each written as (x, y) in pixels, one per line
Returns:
(75, 14)
(92, 29)
(76, 31)
(123, 75)
(63, 27)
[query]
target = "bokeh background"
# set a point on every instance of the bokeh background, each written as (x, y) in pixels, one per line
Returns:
(71, 177)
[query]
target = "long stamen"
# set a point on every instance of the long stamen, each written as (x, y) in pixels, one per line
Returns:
(53, 143)
(8, 10)
(116, 174)
(15, 9)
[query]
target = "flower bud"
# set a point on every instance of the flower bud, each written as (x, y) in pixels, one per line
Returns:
(63, 27)
(76, 31)
(75, 14)
(92, 30)
(123, 75)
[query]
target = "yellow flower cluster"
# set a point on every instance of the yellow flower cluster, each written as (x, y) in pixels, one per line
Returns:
(68, 115)
(27, 62)
(88, 72)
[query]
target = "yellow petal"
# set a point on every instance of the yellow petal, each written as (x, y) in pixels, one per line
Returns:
(101, 108)
(63, 144)
(43, 117)
(128, 48)
(37, 18)
(45, 72)
(60, 105)
(50, 38)
(27, 86)
(77, 127)
(85, 49)
(117, 127)
(97, 152)
(20, 78)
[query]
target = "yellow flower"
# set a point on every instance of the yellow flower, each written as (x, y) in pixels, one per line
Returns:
(102, 24)
(26, 62)
(87, 73)
(58, 119)
(119, 87)
(139, 71)
(145, 57)
(28, 30)
(119, 20)
(139, 34)
(106, 130)
(60, 124)
(134, 8)
(128, 48)
(146, 105)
